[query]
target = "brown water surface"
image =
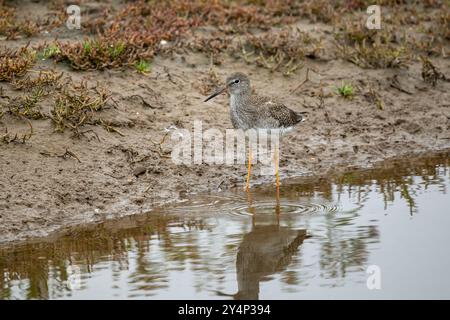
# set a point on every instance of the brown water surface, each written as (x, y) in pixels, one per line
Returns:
(316, 240)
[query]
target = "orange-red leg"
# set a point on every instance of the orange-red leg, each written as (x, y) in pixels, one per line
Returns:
(249, 169)
(277, 176)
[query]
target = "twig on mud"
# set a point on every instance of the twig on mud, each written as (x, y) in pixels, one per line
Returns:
(115, 102)
(396, 84)
(150, 91)
(27, 136)
(90, 130)
(303, 82)
(220, 184)
(144, 102)
(110, 128)
(148, 188)
(162, 140)
(112, 176)
(67, 154)
(321, 103)
(374, 97)
(160, 152)
(169, 76)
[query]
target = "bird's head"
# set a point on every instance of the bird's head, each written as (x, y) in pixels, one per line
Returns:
(236, 83)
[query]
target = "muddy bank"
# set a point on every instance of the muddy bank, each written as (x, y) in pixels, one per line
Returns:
(57, 179)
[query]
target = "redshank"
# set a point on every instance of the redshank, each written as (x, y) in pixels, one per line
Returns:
(253, 111)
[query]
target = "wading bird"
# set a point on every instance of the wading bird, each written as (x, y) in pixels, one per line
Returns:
(252, 111)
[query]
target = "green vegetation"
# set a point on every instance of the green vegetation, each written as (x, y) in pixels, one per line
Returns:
(346, 91)
(116, 50)
(142, 66)
(50, 52)
(73, 104)
(264, 34)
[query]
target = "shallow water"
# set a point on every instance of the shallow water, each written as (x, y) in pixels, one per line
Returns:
(318, 239)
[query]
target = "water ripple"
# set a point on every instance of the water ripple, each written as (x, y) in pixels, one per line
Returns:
(234, 205)
(285, 208)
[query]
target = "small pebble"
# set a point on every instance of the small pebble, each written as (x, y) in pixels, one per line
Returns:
(139, 170)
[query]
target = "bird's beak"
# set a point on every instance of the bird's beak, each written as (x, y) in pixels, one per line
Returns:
(216, 93)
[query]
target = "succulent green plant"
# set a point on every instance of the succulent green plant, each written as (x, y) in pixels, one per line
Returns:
(346, 91)
(142, 66)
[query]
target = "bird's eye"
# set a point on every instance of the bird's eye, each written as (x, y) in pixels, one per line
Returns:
(237, 81)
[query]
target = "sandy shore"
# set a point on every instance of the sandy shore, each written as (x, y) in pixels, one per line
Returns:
(55, 180)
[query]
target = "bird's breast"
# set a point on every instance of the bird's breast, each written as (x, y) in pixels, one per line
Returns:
(235, 119)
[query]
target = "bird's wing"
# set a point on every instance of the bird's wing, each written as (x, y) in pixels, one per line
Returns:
(284, 115)
(280, 115)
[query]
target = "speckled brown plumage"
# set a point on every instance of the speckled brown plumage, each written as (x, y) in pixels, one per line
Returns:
(266, 113)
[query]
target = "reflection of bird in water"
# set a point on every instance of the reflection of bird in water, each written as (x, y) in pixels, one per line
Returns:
(264, 251)
(267, 249)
